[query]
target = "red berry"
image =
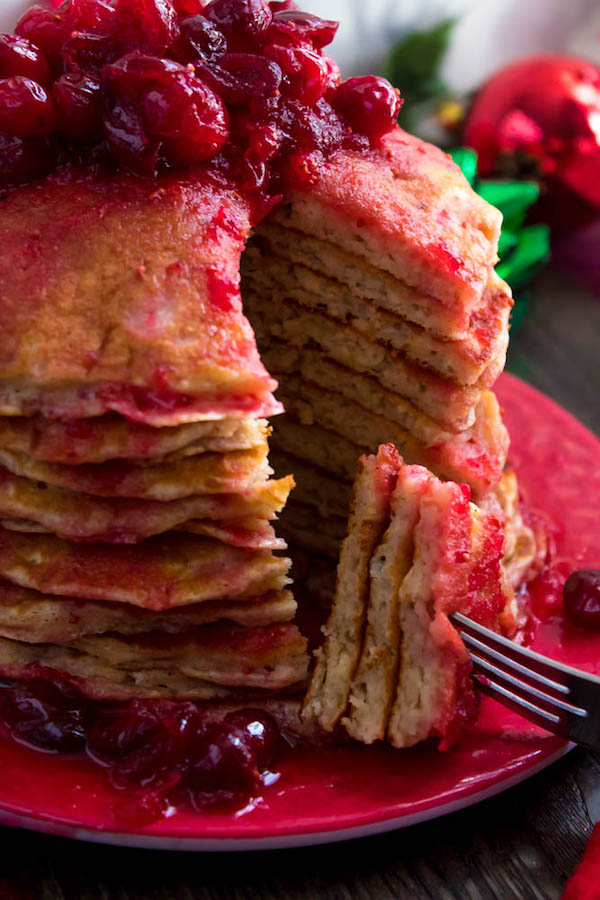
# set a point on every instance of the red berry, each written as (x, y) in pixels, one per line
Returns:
(369, 104)
(46, 714)
(243, 22)
(223, 764)
(261, 732)
(93, 16)
(282, 5)
(47, 28)
(18, 56)
(241, 78)
(149, 25)
(25, 160)
(84, 52)
(201, 39)
(26, 110)
(189, 7)
(581, 595)
(305, 73)
(78, 106)
(302, 28)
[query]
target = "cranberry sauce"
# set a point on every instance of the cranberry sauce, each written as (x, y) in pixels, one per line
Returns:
(241, 85)
(581, 595)
(162, 753)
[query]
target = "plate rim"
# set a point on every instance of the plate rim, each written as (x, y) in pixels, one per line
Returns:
(140, 841)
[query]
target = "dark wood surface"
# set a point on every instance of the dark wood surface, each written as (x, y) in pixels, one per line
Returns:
(521, 844)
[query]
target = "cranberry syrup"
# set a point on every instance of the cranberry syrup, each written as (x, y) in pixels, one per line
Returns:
(240, 86)
(161, 753)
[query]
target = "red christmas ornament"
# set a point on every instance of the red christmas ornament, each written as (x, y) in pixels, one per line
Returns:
(540, 117)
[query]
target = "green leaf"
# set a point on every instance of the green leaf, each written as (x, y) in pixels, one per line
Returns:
(508, 241)
(413, 64)
(466, 160)
(512, 198)
(531, 252)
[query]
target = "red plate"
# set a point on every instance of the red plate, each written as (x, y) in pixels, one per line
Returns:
(336, 793)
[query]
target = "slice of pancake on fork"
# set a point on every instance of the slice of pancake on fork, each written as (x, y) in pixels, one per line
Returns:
(374, 682)
(327, 695)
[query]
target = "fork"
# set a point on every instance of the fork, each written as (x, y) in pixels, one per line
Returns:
(558, 698)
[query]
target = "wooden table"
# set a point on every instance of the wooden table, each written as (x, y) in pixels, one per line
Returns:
(522, 844)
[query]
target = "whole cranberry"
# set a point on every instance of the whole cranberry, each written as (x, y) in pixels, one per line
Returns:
(23, 160)
(128, 140)
(302, 28)
(18, 56)
(243, 22)
(369, 104)
(148, 25)
(222, 764)
(48, 29)
(242, 78)
(84, 52)
(305, 73)
(26, 110)
(581, 595)
(261, 731)
(78, 106)
(190, 118)
(92, 16)
(48, 715)
(201, 39)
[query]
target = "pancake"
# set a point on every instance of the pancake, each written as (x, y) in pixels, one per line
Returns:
(464, 361)
(36, 618)
(452, 406)
(456, 567)
(83, 517)
(363, 278)
(314, 486)
(336, 660)
(161, 573)
(407, 209)
(476, 456)
(209, 473)
(168, 342)
(213, 662)
(113, 437)
(374, 682)
(309, 365)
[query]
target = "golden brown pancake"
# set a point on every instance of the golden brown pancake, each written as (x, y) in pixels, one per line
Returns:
(114, 437)
(409, 211)
(122, 293)
(160, 573)
(212, 662)
(83, 517)
(327, 695)
(36, 618)
(209, 473)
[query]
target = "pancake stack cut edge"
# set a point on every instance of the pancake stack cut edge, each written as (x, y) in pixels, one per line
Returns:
(392, 666)
(138, 554)
(376, 305)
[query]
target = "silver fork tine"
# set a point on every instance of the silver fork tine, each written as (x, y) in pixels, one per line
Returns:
(545, 701)
(546, 720)
(510, 651)
(551, 687)
(556, 697)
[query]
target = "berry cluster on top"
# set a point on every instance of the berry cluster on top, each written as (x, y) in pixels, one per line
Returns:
(243, 84)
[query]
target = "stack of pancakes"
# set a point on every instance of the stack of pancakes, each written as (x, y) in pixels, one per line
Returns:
(393, 665)
(136, 505)
(375, 303)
